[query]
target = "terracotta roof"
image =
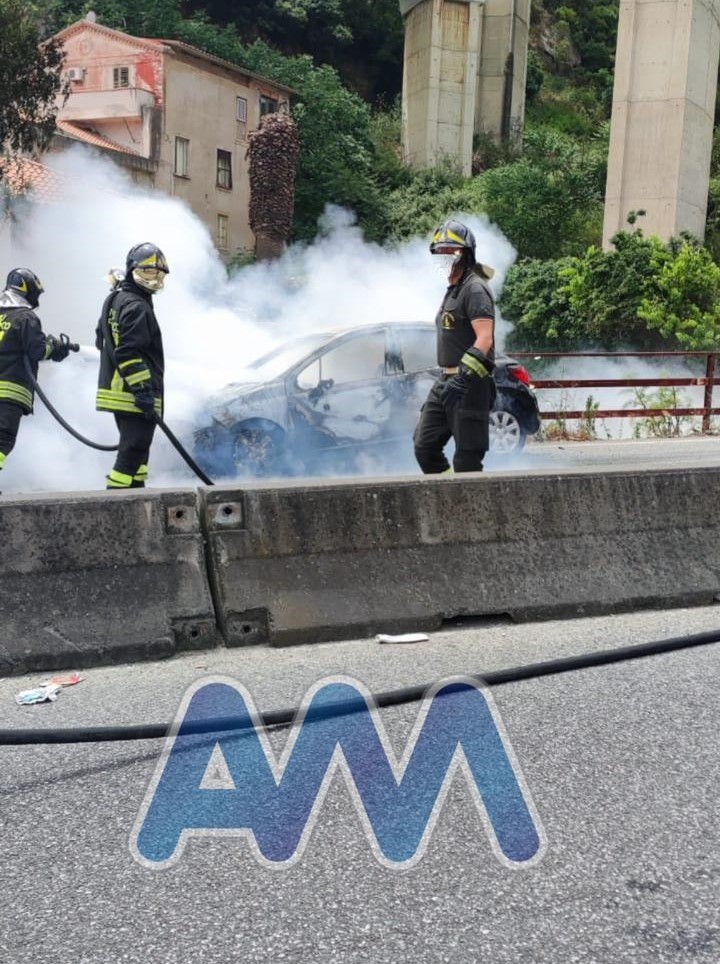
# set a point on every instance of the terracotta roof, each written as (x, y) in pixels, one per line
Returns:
(26, 177)
(91, 137)
(166, 46)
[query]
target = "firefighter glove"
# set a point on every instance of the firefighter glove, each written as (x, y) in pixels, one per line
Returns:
(145, 401)
(55, 348)
(474, 362)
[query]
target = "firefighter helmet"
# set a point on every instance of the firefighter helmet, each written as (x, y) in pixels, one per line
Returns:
(453, 237)
(27, 284)
(147, 266)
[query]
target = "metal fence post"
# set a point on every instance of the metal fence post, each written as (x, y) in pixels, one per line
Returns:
(709, 375)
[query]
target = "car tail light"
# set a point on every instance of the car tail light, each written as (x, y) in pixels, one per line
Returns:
(520, 373)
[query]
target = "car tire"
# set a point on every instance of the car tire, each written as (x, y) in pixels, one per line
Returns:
(259, 452)
(506, 434)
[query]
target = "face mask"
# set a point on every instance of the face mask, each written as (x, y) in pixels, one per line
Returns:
(446, 263)
(151, 279)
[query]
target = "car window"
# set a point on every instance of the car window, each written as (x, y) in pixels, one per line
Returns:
(418, 346)
(285, 356)
(357, 360)
(309, 377)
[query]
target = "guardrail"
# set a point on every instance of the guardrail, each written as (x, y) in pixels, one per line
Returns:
(709, 380)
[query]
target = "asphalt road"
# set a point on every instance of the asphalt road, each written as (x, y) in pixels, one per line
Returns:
(685, 452)
(622, 763)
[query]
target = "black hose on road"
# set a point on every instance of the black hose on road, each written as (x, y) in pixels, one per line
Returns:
(177, 445)
(409, 694)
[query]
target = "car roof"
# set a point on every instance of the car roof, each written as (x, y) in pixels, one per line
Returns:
(335, 332)
(500, 357)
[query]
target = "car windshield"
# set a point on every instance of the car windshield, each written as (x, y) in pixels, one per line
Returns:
(276, 362)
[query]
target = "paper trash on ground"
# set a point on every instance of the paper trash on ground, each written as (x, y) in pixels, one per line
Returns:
(42, 694)
(403, 638)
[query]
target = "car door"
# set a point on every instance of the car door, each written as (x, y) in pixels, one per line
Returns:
(412, 369)
(340, 398)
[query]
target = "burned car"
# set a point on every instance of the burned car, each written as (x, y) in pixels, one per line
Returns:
(329, 397)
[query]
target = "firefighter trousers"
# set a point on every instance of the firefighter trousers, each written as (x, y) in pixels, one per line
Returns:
(10, 415)
(467, 422)
(131, 465)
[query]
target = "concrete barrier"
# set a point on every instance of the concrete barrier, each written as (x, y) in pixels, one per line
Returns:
(89, 579)
(308, 562)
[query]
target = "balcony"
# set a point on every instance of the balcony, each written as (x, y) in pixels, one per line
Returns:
(122, 102)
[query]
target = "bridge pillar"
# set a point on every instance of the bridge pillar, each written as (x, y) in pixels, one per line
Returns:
(502, 70)
(440, 67)
(662, 117)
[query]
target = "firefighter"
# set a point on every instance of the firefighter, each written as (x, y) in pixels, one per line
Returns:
(130, 384)
(461, 398)
(21, 337)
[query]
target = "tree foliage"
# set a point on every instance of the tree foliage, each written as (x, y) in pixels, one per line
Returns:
(684, 300)
(362, 39)
(606, 288)
(639, 294)
(535, 300)
(548, 200)
(336, 154)
(30, 83)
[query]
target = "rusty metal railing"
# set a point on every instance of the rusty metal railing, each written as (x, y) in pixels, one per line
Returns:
(709, 380)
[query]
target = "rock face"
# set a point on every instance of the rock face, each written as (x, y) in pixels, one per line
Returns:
(273, 154)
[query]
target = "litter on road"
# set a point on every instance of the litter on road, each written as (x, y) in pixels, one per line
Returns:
(42, 694)
(403, 638)
(70, 680)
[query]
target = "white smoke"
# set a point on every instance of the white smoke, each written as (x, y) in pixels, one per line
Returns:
(212, 326)
(619, 398)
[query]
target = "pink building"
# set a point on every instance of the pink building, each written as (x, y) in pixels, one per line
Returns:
(176, 117)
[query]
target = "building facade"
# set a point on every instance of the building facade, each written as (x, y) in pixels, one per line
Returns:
(174, 116)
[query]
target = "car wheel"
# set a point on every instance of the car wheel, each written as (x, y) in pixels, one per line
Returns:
(506, 436)
(258, 452)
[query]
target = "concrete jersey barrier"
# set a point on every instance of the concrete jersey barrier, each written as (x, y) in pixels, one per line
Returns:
(294, 563)
(89, 579)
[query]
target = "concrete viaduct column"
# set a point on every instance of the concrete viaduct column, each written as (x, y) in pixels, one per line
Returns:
(442, 45)
(662, 117)
(502, 71)
(464, 72)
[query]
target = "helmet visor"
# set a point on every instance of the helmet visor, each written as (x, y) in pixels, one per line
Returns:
(151, 279)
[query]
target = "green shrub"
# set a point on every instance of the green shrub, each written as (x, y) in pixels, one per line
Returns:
(684, 302)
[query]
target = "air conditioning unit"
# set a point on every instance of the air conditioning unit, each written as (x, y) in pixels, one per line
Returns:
(76, 73)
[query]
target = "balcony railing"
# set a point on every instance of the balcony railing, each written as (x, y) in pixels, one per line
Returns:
(120, 102)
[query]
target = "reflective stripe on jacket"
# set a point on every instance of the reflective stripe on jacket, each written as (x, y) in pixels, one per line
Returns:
(21, 337)
(131, 351)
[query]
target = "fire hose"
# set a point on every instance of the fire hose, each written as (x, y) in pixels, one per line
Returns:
(177, 445)
(408, 694)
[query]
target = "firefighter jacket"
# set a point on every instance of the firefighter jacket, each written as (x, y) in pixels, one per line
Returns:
(21, 337)
(131, 350)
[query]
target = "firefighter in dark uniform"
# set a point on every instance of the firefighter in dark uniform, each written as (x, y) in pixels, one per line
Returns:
(461, 398)
(130, 384)
(21, 337)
